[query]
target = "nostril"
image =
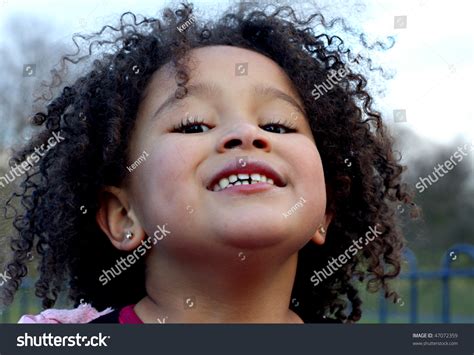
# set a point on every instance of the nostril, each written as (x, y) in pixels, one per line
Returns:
(232, 143)
(259, 144)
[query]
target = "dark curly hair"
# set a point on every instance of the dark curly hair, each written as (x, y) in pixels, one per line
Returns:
(96, 116)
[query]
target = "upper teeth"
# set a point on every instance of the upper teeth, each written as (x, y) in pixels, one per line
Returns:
(241, 179)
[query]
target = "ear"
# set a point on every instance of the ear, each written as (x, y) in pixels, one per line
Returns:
(319, 236)
(116, 217)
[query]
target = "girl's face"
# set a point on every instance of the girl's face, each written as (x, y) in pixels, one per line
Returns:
(243, 116)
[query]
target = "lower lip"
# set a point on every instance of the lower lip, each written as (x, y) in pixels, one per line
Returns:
(247, 189)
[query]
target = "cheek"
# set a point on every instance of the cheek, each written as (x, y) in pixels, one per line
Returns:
(306, 163)
(308, 174)
(159, 184)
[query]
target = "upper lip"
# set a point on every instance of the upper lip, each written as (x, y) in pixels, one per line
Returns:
(251, 167)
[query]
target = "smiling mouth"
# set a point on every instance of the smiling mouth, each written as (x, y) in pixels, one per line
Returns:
(242, 180)
(254, 176)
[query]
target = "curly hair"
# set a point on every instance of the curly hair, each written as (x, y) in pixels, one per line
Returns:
(96, 115)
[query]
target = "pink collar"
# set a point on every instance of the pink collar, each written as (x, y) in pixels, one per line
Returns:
(128, 316)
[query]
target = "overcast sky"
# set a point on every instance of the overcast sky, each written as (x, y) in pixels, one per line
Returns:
(432, 58)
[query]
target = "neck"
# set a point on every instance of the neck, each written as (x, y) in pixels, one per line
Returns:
(244, 291)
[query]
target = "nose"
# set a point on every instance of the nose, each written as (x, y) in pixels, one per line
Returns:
(245, 136)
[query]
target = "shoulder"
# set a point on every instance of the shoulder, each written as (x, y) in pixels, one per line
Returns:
(85, 313)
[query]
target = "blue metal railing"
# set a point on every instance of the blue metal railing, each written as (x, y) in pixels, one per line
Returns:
(445, 274)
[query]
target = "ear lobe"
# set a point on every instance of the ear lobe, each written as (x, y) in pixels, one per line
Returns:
(116, 218)
(319, 236)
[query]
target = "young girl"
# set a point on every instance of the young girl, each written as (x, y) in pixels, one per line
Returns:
(232, 172)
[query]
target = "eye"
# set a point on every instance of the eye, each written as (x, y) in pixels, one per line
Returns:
(279, 127)
(191, 125)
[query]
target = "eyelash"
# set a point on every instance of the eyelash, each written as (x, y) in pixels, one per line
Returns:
(288, 125)
(195, 120)
(187, 122)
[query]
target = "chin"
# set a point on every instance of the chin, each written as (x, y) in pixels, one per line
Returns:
(252, 236)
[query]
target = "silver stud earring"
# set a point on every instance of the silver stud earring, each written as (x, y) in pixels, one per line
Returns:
(322, 230)
(128, 235)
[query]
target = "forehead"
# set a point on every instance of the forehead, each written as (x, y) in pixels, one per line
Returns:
(235, 68)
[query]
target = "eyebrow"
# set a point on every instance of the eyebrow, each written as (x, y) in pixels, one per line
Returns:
(207, 90)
